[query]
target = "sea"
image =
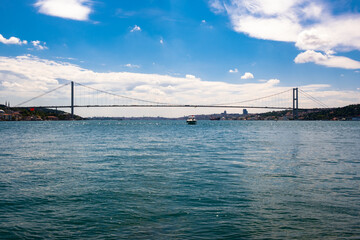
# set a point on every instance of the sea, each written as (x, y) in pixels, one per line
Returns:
(169, 180)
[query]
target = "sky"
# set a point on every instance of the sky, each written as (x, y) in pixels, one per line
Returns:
(179, 51)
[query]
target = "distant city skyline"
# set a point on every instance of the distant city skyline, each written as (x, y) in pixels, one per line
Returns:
(181, 51)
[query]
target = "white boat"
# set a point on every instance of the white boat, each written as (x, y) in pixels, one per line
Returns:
(191, 120)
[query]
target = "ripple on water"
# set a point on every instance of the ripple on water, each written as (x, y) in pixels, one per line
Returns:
(164, 179)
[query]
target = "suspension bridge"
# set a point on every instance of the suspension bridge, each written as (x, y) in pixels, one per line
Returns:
(291, 101)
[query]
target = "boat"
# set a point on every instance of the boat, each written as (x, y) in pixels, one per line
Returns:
(191, 120)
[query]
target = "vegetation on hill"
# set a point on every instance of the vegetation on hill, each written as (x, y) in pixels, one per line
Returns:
(14, 113)
(343, 113)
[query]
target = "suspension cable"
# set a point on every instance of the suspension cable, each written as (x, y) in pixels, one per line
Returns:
(121, 96)
(255, 99)
(314, 99)
(154, 102)
(43, 94)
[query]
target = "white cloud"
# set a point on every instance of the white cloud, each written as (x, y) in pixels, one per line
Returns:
(247, 75)
(66, 58)
(217, 6)
(136, 28)
(205, 24)
(24, 77)
(315, 87)
(269, 29)
(38, 45)
(161, 41)
(233, 70)
(69, 9)
(309, 24)
(335, 33)
(189, 76)
(129, 65)
(313, 10)
(273, 82)
(16, 41)
(12, 40)
(263, 19)
(327, 60)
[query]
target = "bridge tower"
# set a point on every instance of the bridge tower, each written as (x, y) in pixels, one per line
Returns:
(295, 103)
(72, 99)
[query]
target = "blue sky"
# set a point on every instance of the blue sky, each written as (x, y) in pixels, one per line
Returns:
(240, 43)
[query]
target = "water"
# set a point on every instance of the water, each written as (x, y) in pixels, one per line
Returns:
(169, 180)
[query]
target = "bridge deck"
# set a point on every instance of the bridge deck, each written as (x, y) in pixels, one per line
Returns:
(160, 106)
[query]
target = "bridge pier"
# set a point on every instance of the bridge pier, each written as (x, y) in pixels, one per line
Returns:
(72, 99)
(295, 103)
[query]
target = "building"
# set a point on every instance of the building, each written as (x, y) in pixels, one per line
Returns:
(7, 117)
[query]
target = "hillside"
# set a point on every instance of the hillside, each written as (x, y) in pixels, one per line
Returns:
(342, 113)
(37, 114)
